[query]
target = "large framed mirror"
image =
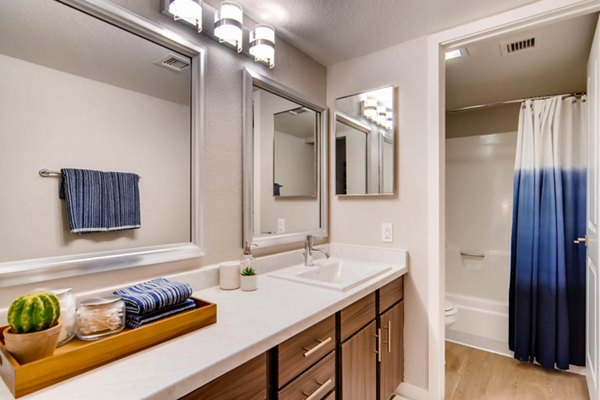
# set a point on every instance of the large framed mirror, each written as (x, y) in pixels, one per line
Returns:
(285, 178)
(365, 137)
(89, 85)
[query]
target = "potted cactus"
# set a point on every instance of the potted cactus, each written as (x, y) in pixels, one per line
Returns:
(248, 279)
(34, 326)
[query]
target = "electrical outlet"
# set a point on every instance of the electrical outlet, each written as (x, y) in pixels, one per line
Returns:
(387, 232)
(280, 225)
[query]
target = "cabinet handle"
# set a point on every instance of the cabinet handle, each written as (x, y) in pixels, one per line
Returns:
(389, 343)
(378, 344)
(316, 394)
(321, 344)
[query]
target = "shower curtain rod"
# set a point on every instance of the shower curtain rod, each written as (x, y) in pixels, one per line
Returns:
(499, 103)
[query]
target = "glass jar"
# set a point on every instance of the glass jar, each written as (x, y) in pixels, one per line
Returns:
(99, 317)
(66, 299)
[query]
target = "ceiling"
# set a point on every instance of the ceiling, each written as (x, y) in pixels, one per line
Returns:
(556, 65)
(56, 36)
(332, 31)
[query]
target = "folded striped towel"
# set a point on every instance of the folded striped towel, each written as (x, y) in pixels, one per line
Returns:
(153, 295)
(136, 320)
(100, 201)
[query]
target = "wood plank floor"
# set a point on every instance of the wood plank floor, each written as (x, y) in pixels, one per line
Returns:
(479, 375)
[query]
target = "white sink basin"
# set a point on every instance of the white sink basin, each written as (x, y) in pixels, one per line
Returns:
(333, 274)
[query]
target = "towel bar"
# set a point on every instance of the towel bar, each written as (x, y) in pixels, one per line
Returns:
(46, 173)
(463, 253)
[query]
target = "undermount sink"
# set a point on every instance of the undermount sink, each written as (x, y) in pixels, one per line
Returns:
(333, 274)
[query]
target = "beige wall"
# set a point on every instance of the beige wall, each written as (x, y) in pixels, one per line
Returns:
(484, 121)
(223, 147)
(52, 119)
(358, 220)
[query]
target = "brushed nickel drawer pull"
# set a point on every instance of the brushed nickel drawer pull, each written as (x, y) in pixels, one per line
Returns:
(316, 394)
(322, 343)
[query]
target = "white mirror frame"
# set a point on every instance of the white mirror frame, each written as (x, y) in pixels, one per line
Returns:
(251, 80)
(42, 269)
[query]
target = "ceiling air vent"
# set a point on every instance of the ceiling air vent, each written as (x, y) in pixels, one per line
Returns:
(520, 45)
(174, 63)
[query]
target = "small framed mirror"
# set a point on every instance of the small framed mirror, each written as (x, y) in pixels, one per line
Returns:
(365, 156)
(285, 179)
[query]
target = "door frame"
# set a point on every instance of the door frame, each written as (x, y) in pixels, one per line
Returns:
(529, 16)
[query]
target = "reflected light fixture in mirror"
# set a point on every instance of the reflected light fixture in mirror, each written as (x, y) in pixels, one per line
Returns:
(369, 108)
(262, 44)
(229, 22)
(187, 10)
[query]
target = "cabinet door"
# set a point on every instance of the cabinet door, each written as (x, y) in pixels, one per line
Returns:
(359, 377)
(247, 382)
(392, 351)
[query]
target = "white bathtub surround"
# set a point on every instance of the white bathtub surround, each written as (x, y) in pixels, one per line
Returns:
(248, 324)
(479, 185)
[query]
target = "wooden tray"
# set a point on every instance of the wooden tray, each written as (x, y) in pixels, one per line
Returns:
(78, 356)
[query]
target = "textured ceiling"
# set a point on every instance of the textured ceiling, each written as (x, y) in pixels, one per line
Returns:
(332, 31)
(556, 65)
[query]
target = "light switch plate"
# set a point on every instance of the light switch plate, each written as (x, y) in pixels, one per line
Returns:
(281, 225)
(387, 232)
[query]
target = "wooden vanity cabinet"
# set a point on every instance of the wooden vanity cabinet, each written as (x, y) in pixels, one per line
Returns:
(391, 328)
(248, 382)
(358, 365)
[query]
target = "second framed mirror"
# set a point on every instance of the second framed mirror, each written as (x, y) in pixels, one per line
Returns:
(365, 137)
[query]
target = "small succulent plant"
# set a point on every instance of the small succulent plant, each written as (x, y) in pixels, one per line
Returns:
(248, 271)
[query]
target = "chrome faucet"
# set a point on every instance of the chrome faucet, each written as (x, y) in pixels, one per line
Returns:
(308, 249)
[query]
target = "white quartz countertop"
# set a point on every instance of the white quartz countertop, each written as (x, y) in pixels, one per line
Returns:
(248, 324)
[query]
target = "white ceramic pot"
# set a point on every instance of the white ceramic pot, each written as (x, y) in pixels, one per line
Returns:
(248, 282)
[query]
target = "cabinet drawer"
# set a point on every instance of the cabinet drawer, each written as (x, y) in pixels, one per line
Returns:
(390, 294)
(314, 384)
(306, 348)
(330, 397)
(357, 315)
(248, 381)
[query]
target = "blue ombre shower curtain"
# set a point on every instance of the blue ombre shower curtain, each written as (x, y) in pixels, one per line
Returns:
(547, 278)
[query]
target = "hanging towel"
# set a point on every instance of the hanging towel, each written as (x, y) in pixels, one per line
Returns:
(100, 201)
(153, 295)
(137, 320)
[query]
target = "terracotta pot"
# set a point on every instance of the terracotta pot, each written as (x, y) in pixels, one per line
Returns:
(248, 282)
(28, 347)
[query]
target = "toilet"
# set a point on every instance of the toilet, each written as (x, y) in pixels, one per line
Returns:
(450, 312)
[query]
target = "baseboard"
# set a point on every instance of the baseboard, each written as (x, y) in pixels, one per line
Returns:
(412, 392)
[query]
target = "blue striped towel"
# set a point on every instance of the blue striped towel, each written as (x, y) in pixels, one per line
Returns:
(135, 320)
(100, 201)
(153, 295)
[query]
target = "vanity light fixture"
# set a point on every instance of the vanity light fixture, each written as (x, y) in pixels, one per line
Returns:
(229, 23)
(389, 119)
(381, 115)
(187, 10)
(369, 108)
(262, 44)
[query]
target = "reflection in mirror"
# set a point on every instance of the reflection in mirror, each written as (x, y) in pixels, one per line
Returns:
(364, 143)
(283, 174)
(294, 153)
(81, 92)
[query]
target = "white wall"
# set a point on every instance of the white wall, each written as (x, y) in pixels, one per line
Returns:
(358, 220)
(294, 164)
(479, 190)
(52, 119)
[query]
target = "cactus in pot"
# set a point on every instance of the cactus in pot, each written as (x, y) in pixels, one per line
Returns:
(34, 326)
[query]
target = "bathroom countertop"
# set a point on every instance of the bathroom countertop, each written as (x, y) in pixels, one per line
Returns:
(248, 324)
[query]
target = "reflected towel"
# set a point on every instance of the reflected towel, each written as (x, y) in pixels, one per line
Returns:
(136, 320)
(153, 295)
(100, 201)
